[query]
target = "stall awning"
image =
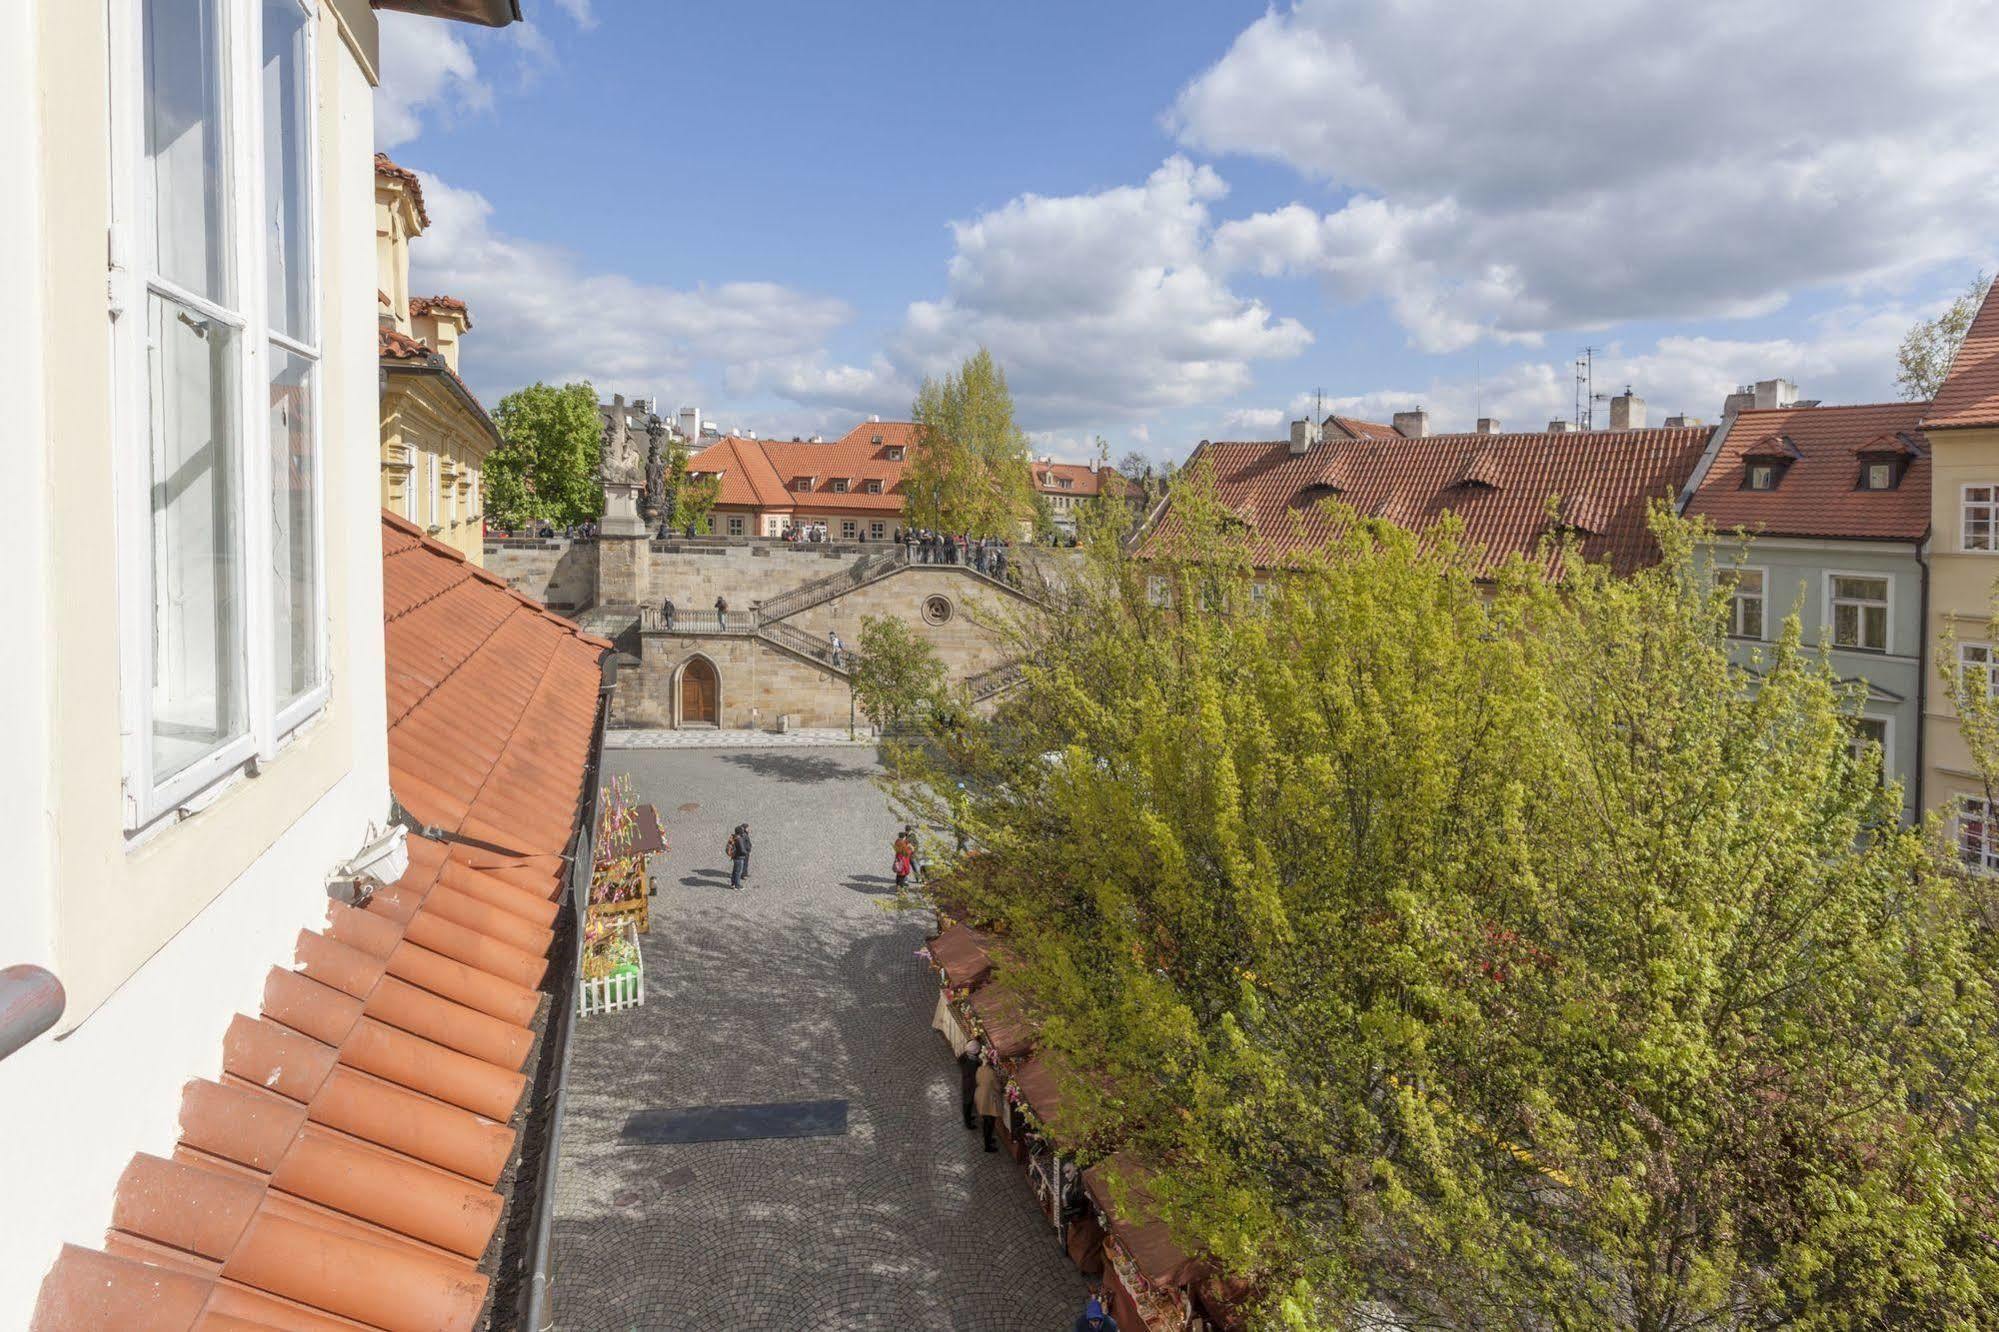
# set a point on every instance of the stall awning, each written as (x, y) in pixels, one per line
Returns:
(964, 953)
(1136, 1225)
(999, 1011)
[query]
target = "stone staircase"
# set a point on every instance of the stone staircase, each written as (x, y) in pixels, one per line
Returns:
(857, 575)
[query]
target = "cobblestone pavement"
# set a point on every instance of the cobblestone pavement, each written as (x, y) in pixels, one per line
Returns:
(737, 739)
(802, 986)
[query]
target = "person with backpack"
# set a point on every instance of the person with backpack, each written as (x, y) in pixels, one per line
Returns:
(1095, 1318)
(739, 855)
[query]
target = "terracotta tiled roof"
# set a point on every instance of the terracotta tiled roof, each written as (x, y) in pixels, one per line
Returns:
(1364, 429)
(1818, 494)
(424, 305)
(1970, 392)
(393, 346)
(341, 1170)
(384, 167)
(1499, 485)
(403, 350)
(1083, 480)
(767, 471)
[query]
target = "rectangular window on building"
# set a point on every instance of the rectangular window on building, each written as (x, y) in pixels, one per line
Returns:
(878, 530)
(874, 487)
(1158, 590)
(840, 485)
(735, 524)
(1870, 731)
(1977, 837)
(1981, 517)
(1745, 602)
(1974, 668)
(215, 325)
(1860, 613)
(847, 529)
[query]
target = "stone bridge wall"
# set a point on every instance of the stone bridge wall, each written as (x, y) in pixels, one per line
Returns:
(560, 572)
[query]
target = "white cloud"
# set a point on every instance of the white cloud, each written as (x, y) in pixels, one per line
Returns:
(1514, 171)
(1100, 306)
(1845, 356)
(427, 69)
(538, 313)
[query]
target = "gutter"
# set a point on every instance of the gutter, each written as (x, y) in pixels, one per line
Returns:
(444, 372)
(487, 13)
(1925, 655)
(539, 1317)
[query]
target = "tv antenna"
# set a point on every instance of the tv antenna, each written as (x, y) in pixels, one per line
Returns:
(1586, 395)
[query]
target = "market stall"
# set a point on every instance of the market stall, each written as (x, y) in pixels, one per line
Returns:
(1147, 1275)
(963, 958)
(1051, 1139)
(999, 1018)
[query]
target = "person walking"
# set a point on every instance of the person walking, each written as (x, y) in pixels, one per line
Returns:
(721, 612)
(968, 1080)
(739, 856)
(667, 612)
(839, 649)
(986, 1096)
(905, 858)
(1095, 1318)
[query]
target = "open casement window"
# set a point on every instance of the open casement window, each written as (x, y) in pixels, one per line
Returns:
(1977, 836)
(1974, 669)
(1981, 517)
(214, 294)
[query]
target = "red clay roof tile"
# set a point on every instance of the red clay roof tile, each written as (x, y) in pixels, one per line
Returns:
(385, 167)
(340, 1173)
(1414, 482)
(1970, 392)
(1818, 494)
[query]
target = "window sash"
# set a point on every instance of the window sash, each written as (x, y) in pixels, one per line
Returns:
(1860, 613)
(1745, 609)
(1977, 838)
(1981, 517)
(229, 290)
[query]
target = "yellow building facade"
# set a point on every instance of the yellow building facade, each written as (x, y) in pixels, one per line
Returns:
(435, 435)
(1962, 425)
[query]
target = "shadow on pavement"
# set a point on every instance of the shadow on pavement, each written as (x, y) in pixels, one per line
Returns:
(798, 768)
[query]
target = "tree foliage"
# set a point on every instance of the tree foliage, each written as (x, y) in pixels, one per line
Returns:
(1488, 956)
(1928, 348)
(968, 470)
(545, 466)
(897, 676)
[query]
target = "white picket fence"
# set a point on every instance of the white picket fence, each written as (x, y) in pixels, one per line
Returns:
(615, 992)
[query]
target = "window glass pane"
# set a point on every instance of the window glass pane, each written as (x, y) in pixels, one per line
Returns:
(197, 678)
(185, 149)
(287, 160)
(294, 540)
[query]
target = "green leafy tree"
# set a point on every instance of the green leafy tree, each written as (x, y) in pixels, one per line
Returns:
(897, 677)
(545, 467)
(1928, 348)
(1486, 955)
(968, 469)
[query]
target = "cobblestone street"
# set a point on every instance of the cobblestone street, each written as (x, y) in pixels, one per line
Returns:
(801, 987)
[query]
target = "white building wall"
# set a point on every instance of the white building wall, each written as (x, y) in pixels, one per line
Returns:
(169, 938)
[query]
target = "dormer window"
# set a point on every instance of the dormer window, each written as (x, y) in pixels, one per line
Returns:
(895, 453)
(1878, 475)
(805, 482)
(874, 487)
(1883, 459)
(1065, 482)
(839, 485)
(1765, 461)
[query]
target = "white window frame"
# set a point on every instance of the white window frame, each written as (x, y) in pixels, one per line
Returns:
(1991, 507)
(1734, 574)
(877, 530)
(129, 284)
(1984, 858)
(839, 485)
(1887, 725)
(1990, 665)
(874, 487)
(1832, 577)
(735, 524)
(848, 528)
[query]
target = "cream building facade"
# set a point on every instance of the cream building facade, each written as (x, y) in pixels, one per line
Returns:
(435, 434)
(193, 692)
(1962, 425)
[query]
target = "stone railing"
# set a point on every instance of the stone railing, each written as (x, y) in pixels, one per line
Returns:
(806, 645)
(805, 595)
(997, 680)
(652, 618)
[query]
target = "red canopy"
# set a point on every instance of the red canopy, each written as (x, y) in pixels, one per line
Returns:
(999, 1011)
(964, 953)
(1137, 1225)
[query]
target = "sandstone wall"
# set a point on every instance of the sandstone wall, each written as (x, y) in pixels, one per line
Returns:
(969, 641)
(561, 573)
(759, 683)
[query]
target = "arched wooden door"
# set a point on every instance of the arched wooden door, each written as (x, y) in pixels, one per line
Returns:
(700, 694)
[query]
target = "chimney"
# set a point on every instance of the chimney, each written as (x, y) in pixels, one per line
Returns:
(874, 418)
(1488, 425)
(1412, 425)
(1627, 411)
(690, 422)
(1775, 393)
(1683, 422)
(1560, 427)
(1301, 438)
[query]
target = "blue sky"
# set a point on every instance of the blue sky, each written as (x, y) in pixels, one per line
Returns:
(1176, 221)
